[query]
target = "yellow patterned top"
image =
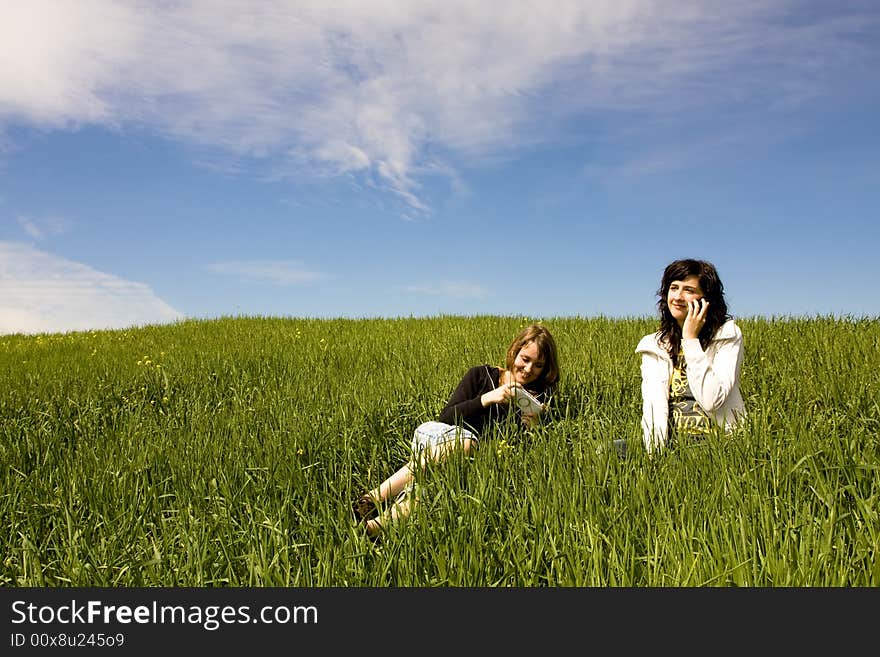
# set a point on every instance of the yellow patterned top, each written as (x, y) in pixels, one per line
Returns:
(686, 416)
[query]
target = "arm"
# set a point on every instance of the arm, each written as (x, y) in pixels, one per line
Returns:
(713, 379)
(655, 400)
(473, 396)
(465, 400)
(469, 400)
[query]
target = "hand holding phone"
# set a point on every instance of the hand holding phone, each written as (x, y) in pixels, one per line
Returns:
(526, 401)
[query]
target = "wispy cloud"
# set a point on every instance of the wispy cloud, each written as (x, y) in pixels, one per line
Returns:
(451, 289)
(43, 293)
(277, 272)
(40, 229)
(396, 92)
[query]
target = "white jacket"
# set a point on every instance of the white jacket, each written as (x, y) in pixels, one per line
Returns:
(713, 376)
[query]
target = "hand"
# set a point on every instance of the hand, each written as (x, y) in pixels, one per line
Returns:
(530, 421)
(695, 320)
(501, 394)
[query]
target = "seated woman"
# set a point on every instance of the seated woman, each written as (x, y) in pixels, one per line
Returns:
(485, 395)
(691, 366)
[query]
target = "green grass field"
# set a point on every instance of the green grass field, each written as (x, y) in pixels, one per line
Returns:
(226, 453)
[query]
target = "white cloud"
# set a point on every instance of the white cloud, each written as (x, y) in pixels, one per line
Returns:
(43, 293)
(59, 59)
(40, 229)
(31, 228)
(277, 272)
(394, 90)
(453, 289)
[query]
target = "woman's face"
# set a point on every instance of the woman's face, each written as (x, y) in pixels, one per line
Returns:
(528, 364)
(680, 294)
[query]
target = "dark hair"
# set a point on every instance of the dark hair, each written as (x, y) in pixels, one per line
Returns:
(541, 336)
(713, 292)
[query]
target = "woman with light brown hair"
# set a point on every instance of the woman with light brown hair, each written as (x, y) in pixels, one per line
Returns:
(485, 395)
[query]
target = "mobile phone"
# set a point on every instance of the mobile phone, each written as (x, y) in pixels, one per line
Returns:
(527, 402)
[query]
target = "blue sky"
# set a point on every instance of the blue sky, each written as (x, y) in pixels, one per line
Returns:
(353, 159)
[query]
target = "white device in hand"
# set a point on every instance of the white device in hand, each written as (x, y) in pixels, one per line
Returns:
(527, 402)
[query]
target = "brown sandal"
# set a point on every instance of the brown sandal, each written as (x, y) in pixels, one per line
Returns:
(364, 508)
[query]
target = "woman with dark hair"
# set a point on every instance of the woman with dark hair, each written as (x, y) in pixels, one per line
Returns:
(485, 395)
(691, 366)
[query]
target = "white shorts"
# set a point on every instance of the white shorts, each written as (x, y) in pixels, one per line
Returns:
(431, 434)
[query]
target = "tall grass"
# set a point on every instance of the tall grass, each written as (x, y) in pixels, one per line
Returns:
(226, 452)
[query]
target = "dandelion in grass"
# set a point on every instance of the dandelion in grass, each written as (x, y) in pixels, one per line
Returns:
(503, 447)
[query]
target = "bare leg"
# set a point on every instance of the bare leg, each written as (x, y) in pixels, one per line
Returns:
(392, 486)
(438, 453)
(400, 509)
(397, 482)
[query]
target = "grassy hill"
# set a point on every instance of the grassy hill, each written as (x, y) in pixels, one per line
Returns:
(226, 452)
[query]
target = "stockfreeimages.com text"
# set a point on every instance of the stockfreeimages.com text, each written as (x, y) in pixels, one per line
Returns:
(211, 617)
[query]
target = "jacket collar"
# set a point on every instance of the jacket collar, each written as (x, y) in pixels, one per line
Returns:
(651, 343)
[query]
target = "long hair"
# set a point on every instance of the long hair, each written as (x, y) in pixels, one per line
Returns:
(542, 337)
(713, 292)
